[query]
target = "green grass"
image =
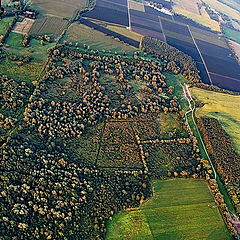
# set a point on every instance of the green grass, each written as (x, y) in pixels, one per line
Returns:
(179, 209)
(36, 50)
(222, 107)
(232, 34)
(177, 81)
(4, 24)
(95, 39)
(27, 72)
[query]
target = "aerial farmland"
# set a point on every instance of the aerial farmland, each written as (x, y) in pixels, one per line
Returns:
(119, 120)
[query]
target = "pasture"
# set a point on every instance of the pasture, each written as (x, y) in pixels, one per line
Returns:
(222, 107)
(97, 40)
(59, 8)
(184, 212)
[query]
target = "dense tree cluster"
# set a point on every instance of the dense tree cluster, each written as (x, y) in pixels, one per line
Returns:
(45, 196)
(225, 157)
(12, 98)
(174, 60)
(94, 100)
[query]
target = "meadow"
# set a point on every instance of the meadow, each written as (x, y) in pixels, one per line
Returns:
(4, 24)
(222, 107)
(97, 40)
(186, 212)
(59, 9)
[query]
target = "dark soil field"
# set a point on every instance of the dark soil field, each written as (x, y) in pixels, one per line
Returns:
(184, 46)
(226, 82)
(152, 11)
(110, 12)
(222, 67)
(175, 27)
(203, 72)
(216, 51)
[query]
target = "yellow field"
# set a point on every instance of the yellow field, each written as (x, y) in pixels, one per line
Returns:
(223, 107)
(95, 39)
(223, 8)
(203, 19)
(188, 5)
(119, 29)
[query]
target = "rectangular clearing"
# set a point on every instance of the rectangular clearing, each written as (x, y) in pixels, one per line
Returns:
(179, 209)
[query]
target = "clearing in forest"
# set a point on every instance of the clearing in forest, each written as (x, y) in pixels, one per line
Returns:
(179, 209)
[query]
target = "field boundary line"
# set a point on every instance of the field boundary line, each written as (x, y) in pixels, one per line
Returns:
(129, 16)
(160, 23)
(220, 75)
(200, 54)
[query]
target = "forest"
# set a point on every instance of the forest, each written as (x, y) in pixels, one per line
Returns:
(48, 191)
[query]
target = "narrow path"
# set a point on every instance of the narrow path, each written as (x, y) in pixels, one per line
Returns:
(192, 108)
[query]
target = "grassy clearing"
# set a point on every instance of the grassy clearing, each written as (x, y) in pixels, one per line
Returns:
(95, 39)
(179, 210)
(27, 72)
(232, 34)
(4, 24)
(36, 50)
(223, 107)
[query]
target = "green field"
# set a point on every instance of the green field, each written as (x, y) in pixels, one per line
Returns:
(95, 39)
(4, 24)
(222, 107)
(35, 50)
(232, 34)
(179, 209)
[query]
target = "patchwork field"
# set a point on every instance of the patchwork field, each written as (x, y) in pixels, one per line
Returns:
(209, 49)
(222, 107)
(109, 11)
(24, 26)
(187, 211)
